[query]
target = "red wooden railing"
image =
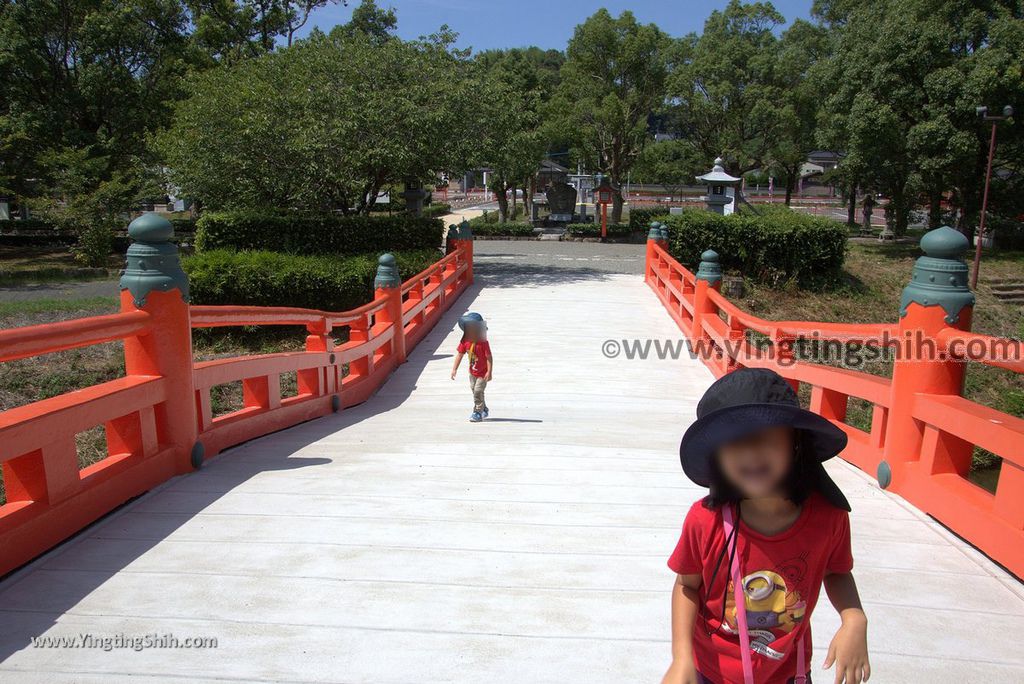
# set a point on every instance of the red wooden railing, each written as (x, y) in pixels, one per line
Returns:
(158, 418)
(922, 432)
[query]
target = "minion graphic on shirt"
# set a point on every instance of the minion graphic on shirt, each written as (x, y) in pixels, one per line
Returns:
(772, 610)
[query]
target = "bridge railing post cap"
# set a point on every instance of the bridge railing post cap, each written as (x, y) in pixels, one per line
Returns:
(151, 227)
(465, 230)
(944, 243)
(655, 232)
(709, 255)
(387, 272)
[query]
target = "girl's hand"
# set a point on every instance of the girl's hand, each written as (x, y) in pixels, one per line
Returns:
(453, 375)
(488, 378)
(681, 672)
(849, 652)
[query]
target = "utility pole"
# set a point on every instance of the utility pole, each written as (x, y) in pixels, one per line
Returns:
(985, 116)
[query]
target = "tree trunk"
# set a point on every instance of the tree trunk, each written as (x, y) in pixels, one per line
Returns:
(528, 190)
(502, 205)
(851, 207)
(934, 209)
(789, 189)
(513, 202)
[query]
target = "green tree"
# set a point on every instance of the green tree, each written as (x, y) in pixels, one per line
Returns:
(324, 124)
(908, 77)
(517, 87)
(613, 78)
(727, 88)
(673, 164)
(94, 80)
(801, 49)
(369, 20)
(509, 139)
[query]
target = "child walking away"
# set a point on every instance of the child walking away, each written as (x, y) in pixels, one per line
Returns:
(755, 552)
(474, 343)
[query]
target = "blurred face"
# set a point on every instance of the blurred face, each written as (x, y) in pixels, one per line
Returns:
(473, 333)
(757, 464)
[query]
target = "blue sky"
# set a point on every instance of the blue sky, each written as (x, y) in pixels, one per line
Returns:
(483, 24)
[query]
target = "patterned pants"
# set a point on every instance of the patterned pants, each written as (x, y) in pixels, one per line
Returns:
(478, 385)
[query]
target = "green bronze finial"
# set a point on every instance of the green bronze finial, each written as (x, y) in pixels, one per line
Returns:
(655, 232)
(152, 260)
(465, 231)
(940, 277)
(664, 232)
(709, 270)
(387, 272)
(453, 232)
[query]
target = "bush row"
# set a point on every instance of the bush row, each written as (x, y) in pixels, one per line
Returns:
(590, 230)
(308, 233)
(263, 278)
(773, 247)
(640, 218)
(503, 229)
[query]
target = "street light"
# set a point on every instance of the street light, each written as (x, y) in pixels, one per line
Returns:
(994, 118)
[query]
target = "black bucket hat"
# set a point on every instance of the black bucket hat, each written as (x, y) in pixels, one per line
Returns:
(745, 401)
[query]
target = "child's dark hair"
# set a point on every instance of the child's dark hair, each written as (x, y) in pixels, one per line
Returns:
(800, 482)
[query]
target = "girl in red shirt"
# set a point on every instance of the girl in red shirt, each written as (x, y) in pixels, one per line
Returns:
(755, 552)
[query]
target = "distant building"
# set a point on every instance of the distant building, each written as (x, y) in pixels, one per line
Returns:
(818, 162)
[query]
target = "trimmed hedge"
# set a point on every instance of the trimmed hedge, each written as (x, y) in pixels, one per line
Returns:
(641, 217)
(772, 248)
(503, 229)
(590, 230)
(437, 209)
(261, 278)
(306, 233)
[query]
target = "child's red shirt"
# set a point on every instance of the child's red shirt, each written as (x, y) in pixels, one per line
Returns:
(782, 576)
(479, 353)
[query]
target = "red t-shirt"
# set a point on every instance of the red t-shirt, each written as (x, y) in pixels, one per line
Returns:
(782, 576)
(479, 354)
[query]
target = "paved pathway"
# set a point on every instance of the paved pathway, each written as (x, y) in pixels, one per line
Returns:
(396, 542)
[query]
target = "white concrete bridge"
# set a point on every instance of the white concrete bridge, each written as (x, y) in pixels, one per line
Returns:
(396, 542)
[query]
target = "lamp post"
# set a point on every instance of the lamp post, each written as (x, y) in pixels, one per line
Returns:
(603, 197)
(994, 118)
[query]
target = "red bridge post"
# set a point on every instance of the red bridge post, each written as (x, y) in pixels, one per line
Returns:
(154, 282)
(936, 298)
(388, 284)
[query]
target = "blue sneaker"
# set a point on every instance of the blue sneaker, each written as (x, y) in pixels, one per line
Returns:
(486, 412)
(475, 417)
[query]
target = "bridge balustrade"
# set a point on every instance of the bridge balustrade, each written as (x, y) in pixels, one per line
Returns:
(923, 432)
(158, 418)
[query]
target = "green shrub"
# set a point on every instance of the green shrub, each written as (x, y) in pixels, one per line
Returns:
(95, 245)
(772, 248)
(641, 217)
(331, 283)
(588, 230)
(308, 233)
(437, 209)
(504, 229)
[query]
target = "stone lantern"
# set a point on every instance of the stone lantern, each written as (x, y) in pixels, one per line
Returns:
(721, 197)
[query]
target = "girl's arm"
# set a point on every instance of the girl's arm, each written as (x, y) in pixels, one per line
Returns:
(490, 366)
(684, 615)
(849, 647)
(458, 360)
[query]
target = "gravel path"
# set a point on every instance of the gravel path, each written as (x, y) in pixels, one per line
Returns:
(59, 290)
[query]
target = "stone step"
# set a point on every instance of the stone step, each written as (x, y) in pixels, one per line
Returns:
(1008, 287)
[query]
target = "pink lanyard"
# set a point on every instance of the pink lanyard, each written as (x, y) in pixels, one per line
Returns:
(741, 612)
